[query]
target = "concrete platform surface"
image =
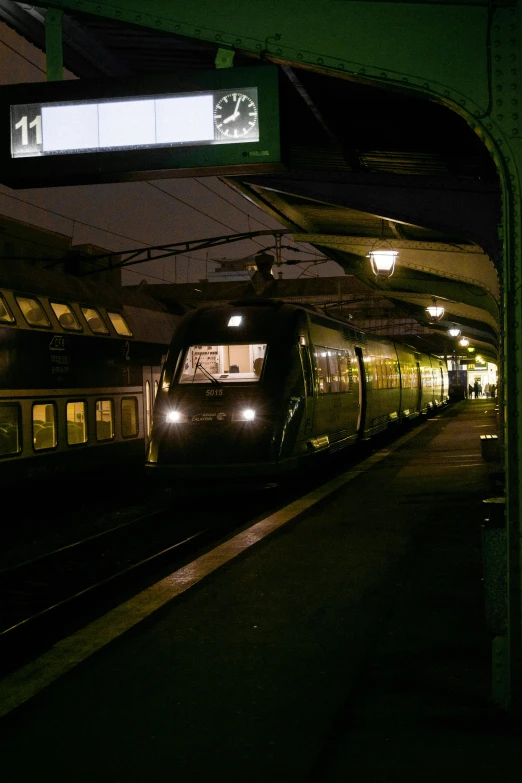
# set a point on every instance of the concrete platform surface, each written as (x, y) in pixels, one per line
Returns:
(349, 645)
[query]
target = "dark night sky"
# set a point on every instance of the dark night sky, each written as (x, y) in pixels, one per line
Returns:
(126, 216)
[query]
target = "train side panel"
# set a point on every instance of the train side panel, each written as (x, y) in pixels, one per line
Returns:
(336, 387)
(383, 386)
(427, 401)
(410, 382)
(72, 381)
(440, 382)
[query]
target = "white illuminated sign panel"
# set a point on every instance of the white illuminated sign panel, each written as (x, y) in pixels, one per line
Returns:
(148, 122)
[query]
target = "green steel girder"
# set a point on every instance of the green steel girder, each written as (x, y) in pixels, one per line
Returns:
(54, 44)
(390, 43)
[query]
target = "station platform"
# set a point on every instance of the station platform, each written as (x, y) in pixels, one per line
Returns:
(350, 643)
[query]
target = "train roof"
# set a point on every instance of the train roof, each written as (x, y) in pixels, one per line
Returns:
(320, 317)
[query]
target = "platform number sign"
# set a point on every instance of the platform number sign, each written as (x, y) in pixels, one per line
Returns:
(77, 132)
(217, 117)
(27, 131)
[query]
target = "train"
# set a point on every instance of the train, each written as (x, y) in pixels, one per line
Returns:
(80, 365)
(255, 389)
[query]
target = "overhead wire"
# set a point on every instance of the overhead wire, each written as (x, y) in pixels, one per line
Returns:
(73, 220)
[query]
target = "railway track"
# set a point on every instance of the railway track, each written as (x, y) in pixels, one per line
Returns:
(45, 596)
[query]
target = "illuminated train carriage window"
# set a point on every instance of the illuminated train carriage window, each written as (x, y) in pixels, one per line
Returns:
(66, 317)
(120, 324)
(6, 317)
(223, 363)
(129, 417)
(345, 371)
(94, 320)
(76, 422)
(44, 426)
(33, 312)
(10, 429)
(333, 366)
(321, 369)
(104, 419)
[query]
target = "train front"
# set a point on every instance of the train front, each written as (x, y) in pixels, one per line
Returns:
(221, 411)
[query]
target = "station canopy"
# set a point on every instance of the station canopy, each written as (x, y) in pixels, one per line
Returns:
(363, 166)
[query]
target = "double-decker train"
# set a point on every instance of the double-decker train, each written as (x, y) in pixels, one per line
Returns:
(79, 366)
(256, 388)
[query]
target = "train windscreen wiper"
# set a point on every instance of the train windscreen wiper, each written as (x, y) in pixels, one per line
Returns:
(204, 370)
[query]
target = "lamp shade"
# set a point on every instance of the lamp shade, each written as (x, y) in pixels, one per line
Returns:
(454, 332)
(435, 312)
(383, 262)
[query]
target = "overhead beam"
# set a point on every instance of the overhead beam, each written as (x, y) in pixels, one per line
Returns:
(83, 53)
(467, 210)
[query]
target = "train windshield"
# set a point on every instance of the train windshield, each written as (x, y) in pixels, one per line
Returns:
(223, 363)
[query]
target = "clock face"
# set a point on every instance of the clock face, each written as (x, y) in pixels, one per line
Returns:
(235, 116)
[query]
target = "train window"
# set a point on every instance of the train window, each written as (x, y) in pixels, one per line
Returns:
(223, 363)
(94, 320)
(120, 324)
(409, 376)
(379, 381)
(155, 389)
(396, 375)
(334, 371)
(104, 419)
(6, 317)
(66, 317)
(129, 417)
(76, 422)
(321, 369)
(345, 372)
(33, 312)
(10, 429)
(44, 425)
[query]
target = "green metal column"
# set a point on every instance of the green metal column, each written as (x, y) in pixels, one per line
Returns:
(500, 127)
(53, 44)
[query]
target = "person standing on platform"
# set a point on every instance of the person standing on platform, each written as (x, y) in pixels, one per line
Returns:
(476, 389)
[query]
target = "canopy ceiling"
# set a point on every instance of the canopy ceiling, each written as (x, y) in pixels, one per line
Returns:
(361, 164)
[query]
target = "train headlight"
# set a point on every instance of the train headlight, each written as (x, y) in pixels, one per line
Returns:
(247, 414)
(173, 416)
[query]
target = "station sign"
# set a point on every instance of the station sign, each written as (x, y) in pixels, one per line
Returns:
(220, 122)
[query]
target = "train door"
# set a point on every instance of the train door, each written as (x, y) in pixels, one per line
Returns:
(151, 377)
(304, 353)
(419, 387)
(326, 401)
(362, 391)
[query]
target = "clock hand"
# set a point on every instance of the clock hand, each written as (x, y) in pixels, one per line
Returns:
(235, 114)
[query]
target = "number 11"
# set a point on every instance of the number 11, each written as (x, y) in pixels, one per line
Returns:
(36, 123)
